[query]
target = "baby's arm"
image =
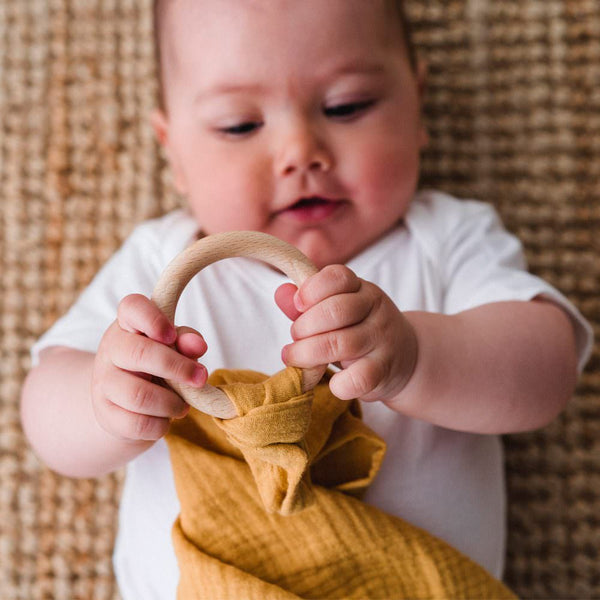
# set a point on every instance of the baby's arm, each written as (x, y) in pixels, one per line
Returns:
(498, 368)
(88, 414)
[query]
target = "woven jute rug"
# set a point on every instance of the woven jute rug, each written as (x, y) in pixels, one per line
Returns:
(513, 108)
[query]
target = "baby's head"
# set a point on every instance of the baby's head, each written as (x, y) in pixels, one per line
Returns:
(297, 118)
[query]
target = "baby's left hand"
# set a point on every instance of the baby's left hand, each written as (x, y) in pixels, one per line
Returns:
(340, 318)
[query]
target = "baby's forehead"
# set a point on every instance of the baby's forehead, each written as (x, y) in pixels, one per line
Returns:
(265, 32)
(166, 9)
(169, 13)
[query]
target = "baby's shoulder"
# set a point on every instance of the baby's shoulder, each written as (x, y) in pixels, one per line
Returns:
(435, 218)
(166, 235)
(442, 212)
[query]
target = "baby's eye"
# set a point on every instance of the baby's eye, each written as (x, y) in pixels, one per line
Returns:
(241, 129)
(348, 110)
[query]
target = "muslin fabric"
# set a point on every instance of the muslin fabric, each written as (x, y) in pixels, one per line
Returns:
(271, 509)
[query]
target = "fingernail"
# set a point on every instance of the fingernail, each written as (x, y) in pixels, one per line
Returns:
(199, 376)
(170, 335)
(298, 303)
(284, 353)
(185, 409)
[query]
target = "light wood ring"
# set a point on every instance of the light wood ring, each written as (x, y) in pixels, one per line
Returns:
(179, 272)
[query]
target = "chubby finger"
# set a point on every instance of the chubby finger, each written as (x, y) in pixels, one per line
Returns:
(141, 354)
(138, 314)
(335, 312)
(284, 298)
(190, 343)
(358, 380)
(331, 280)
(138, 395)
(131, 425)
(344, 345)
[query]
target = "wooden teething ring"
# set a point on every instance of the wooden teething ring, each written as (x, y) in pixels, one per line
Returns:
(179, 272)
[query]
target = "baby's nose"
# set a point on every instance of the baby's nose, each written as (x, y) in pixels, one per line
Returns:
(302, 150)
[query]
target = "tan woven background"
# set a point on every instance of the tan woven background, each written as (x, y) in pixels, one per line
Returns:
(514, 114)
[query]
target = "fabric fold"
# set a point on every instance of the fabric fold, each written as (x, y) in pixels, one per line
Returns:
(285, 434)
(271, 509)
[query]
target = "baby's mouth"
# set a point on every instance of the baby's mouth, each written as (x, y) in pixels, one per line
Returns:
(310, 202)
(312, 208)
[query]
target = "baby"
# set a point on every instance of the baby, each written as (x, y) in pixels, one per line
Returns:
(303, 120)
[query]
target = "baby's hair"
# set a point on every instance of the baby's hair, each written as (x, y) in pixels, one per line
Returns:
(396, 6)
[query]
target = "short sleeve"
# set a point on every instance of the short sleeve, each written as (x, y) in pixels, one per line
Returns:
(483, 263)
(134, 268)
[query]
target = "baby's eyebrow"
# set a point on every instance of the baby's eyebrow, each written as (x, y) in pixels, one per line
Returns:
(345, 68)
(357, 68)
(228, 89)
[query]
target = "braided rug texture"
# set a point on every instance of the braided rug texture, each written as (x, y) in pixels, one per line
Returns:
(513, 109)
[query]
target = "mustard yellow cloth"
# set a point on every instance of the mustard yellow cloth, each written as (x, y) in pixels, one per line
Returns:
(270, 505)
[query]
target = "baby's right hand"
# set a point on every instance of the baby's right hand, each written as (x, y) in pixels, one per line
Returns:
(127, 402)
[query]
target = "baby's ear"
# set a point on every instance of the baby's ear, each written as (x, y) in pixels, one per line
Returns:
(159, 122)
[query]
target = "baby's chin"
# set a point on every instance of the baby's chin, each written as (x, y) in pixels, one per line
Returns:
(337, 243)
(325, 252)
(318, 245)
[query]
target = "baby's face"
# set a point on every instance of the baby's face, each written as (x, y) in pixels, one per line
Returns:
(297, 118)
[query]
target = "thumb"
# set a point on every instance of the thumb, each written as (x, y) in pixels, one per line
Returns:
(284, 297)
(190, 343)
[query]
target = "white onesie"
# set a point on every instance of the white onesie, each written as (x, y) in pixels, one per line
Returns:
(447, 256)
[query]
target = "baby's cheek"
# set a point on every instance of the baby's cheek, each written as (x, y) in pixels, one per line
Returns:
(226, 201)
(388, 173)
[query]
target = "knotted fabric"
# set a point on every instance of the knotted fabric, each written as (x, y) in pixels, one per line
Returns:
(271, 509)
